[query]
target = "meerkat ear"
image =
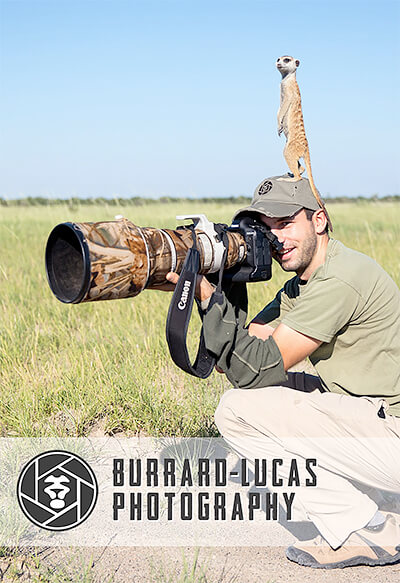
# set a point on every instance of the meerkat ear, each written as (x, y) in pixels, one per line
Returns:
(297, 62)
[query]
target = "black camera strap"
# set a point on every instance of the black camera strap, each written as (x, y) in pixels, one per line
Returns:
(179, 313)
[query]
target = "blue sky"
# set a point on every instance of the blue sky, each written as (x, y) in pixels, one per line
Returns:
(179, 97)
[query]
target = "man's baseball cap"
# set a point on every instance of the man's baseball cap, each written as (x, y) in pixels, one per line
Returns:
(277, 197)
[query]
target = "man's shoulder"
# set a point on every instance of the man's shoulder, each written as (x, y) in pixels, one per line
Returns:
(342, 258)
(345, 271)
(352, 267)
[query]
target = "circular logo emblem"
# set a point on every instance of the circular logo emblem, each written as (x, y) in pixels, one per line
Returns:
(57, 490)
(265, 187)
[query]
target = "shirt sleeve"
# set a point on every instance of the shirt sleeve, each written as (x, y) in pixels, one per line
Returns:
(247, 361)
(323, 309)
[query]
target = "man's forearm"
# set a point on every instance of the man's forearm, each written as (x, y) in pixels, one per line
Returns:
(247, 361)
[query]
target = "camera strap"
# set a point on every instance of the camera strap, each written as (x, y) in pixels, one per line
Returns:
(179, 313)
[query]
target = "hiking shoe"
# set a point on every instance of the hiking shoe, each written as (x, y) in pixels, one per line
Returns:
(379, 545)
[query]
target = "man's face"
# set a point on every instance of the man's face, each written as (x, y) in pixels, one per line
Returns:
(299, 239)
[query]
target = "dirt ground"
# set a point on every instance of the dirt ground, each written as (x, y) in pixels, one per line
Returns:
(232, 565)
(183, 565)
(167, 565)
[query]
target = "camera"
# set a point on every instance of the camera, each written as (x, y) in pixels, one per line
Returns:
(118, 259)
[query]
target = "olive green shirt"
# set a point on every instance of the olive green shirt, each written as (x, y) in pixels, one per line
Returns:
(352, 305)
(349, 303)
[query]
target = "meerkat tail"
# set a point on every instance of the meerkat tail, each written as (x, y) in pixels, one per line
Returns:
(315, 192)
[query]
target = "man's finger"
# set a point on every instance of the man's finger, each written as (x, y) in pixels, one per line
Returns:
(172, 277)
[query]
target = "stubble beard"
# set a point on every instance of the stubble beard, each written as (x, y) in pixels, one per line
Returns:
(303, 255)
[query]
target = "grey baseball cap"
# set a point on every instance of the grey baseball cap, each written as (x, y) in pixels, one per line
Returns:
(277, 197)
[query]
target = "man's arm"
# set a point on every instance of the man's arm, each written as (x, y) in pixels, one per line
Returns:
(293, 345)
(250, 358)
(250, 362)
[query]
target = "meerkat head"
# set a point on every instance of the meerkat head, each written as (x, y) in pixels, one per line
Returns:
(286, 65)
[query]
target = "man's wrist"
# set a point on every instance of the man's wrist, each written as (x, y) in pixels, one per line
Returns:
(206, 301)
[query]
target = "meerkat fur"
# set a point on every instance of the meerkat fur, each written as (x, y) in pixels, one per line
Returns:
(291, 123)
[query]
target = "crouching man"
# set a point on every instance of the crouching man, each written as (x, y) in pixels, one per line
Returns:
(342, 310)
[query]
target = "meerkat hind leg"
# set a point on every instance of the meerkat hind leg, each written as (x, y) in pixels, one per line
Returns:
(294, 165)
(295, 178)
(289, 178)
(296, 175)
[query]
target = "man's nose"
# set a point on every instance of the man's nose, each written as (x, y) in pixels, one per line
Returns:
(278, 233)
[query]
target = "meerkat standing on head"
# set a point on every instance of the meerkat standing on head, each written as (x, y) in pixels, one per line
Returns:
(291, 123)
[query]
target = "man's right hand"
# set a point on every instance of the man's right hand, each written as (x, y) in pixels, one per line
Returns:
(204, 289)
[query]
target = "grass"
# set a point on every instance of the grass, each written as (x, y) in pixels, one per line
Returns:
(62, 567)
(71, 370)
(38, 567)
(66, 370)
(191, 571)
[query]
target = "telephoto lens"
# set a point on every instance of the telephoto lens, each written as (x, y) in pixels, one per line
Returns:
(87, 262)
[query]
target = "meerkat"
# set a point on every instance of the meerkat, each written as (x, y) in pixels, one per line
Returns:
(291, 123)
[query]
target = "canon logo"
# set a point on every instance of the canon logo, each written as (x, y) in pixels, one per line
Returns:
(185, 292)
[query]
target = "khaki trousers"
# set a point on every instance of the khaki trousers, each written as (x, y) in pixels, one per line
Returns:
(347, 437)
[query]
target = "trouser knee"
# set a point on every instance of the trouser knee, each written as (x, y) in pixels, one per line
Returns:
(226, 413)
(259, 408)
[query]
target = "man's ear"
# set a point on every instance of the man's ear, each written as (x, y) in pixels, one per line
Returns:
(320, 221)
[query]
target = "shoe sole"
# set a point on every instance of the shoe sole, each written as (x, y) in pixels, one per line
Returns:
(306, 560)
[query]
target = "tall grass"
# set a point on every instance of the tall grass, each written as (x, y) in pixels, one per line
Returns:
(75, 369)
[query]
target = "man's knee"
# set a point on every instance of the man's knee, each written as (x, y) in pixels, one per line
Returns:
(238, 407)
(227, 410)
(269, 408)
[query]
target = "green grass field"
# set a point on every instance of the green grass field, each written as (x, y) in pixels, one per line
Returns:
(73, 370)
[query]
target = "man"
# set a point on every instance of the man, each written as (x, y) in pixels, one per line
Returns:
(343, 311)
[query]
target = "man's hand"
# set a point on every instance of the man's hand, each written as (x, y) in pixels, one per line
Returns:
(260, 330)
(293, 346)
(204, 289)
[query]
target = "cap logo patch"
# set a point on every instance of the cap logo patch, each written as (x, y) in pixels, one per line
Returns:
(265, 188)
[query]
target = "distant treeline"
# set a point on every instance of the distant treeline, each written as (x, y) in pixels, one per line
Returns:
(141, 201)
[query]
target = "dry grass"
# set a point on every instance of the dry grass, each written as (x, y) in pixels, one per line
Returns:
(65, 369)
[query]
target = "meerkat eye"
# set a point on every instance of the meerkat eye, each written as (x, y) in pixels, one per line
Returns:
(286, 60)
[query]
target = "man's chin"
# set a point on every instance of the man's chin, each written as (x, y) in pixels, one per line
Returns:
(289, 264)
(288, 267)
